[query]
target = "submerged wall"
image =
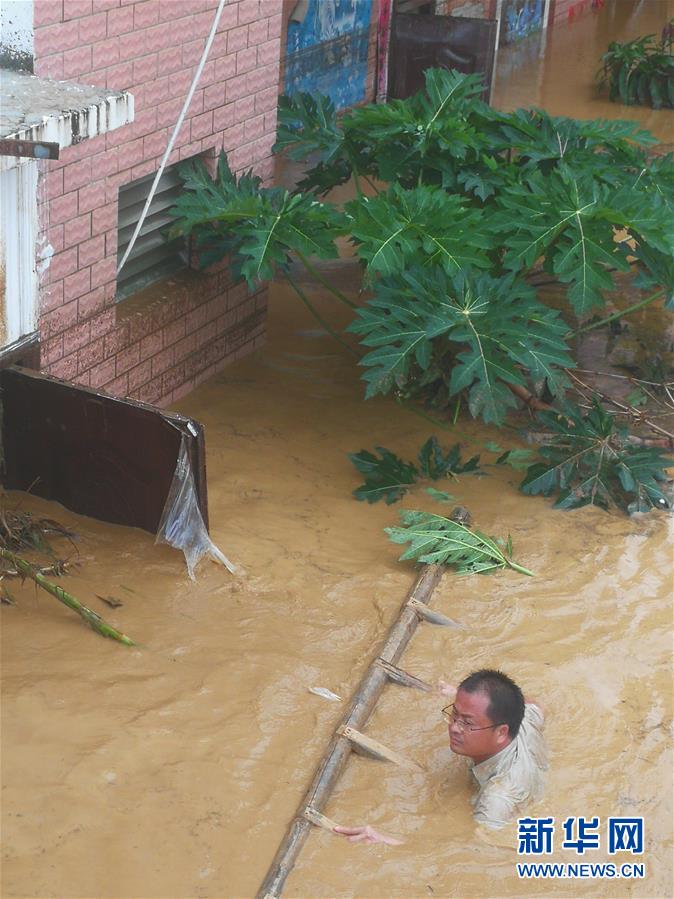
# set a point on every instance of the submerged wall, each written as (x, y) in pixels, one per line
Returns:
(159, 343)
(330, 47)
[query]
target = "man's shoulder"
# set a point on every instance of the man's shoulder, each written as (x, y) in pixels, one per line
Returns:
(533, 715)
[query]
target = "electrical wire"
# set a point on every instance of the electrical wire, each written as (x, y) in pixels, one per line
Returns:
(169, 148)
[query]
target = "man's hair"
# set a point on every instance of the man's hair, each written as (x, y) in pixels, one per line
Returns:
(506, 700)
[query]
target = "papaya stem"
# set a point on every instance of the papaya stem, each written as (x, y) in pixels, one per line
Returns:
(92, 618)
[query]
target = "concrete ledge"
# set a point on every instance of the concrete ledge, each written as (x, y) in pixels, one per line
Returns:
(39, 109)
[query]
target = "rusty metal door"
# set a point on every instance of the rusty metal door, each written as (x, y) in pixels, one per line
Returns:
(113, 459)
(420, 42)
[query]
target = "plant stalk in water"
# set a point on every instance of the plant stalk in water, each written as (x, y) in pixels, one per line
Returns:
(319, 318)
(92, 618)
(317, 275)
(622, 312)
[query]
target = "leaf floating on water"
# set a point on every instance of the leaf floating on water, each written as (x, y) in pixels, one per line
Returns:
(435, 464)
(325, 693)
(519, 459)
(439, 541)
(588, 460)
(390, 477)
(110, 600)
(386, 478)
(439, 495)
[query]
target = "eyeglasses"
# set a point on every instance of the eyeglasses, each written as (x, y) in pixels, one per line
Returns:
(450, 714)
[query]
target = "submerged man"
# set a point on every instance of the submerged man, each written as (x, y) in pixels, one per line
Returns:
(500, 733)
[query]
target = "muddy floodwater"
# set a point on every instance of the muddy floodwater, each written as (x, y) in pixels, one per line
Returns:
(171, 770)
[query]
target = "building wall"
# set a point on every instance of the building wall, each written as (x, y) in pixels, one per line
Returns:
(158, 344)
(368, 96)
(564, 11)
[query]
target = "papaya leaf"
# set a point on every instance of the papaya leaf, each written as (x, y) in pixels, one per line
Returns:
(435, 464)
(386, 477)
(519, 459)
(436, 540)
(308, 124)
(588, 460)
(543, 142)
(423, 225)
(496, 327)
(260, 227)
(439, 495)
(419, 140)
(570, 222)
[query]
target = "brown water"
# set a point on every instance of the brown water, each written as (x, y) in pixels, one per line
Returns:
(172, 769)
(555, 69)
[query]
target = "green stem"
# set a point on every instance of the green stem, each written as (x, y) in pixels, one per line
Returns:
(622, 312)
(372, 185)
(356, 179)
(456, 409)
(92, 618)
(319, 318)
(519, 568)
(333, 290)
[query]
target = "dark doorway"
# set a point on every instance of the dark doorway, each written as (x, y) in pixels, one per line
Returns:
(420, 42)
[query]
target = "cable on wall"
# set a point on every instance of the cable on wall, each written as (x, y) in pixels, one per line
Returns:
(169, 148)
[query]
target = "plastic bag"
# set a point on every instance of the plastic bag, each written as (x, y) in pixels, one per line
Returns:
(181, 524)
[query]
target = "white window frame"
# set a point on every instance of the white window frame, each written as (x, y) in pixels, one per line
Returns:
(18, 245)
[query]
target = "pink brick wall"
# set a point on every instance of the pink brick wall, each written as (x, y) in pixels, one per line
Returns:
(159, 344)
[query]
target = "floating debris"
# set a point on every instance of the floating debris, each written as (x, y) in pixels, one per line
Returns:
(325, 693)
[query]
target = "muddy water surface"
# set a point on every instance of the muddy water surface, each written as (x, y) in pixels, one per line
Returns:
(555, 70)
(172, 769)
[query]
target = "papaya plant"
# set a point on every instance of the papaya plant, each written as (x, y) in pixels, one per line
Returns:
(457, 208)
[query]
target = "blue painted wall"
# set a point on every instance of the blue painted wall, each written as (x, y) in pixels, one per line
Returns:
(327, 51)
(520, 18)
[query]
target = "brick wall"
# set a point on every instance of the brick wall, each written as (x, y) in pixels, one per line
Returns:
(158, 344)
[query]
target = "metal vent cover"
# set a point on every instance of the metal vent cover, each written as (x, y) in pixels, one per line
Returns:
(153, 256)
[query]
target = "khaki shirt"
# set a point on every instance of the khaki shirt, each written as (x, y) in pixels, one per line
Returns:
(512, 776)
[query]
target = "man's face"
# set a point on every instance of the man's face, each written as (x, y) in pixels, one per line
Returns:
(471, 712)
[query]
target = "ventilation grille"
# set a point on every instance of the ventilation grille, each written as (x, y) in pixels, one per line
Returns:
(153, 256)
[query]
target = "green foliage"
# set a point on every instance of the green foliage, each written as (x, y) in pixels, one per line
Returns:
(589, 461)
(519, 459)
(495, 328)
(441, 541)
(400, 227)
(464, 202)
(640, 71)
(259, 227)
(389, 477)
(570, 221)
(439, 496)
(308, 125)
(435, 464)
(542, 183)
